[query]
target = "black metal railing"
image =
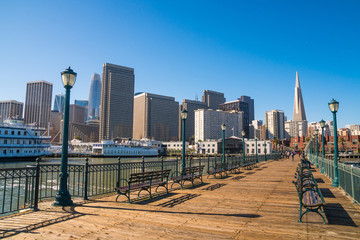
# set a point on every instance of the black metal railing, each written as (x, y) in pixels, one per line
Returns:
(22, 188)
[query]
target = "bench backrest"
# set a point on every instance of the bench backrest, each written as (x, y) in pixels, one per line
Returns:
(194, 169)
(149, 176)
(220, 165)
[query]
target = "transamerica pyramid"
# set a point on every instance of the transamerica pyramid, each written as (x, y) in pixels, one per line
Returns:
(299, 110)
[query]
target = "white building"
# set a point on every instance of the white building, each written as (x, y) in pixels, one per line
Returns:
(257, 124)
(354, 128)
(208, 124)
(275, 124)
(176, 146)
(328, 129)
(250, 147)
(207, 147)
(295, 129)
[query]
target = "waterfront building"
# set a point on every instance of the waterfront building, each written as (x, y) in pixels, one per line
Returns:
(275, 124)
(190, 106)
(155, 117)
(94, 97)
(213, 99)
(175, 147)
(59, 103)
(251, 105)
(11, 109)
(207, 147)
(86, 132)
(38, 103)
(250, 146)
(208, 124)
(117, 102)
(238, 106)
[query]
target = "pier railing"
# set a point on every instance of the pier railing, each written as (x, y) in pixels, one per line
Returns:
(349, 174)
(23, 188)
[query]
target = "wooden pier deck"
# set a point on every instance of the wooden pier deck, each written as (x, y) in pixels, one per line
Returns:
(260, 203)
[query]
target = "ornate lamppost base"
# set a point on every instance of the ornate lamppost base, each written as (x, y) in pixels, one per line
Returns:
(335, 182)
(63, 199)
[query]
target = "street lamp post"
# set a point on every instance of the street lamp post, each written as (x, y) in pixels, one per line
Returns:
(63, 197)
(317, 147)
(256, 151)
(334, 106)
(322, 125)
(223, 128)
(243, 142)
(183, 114)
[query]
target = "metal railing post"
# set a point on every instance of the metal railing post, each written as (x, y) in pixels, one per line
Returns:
(119, 171)
(143, 164)
(86, 179)
(37, 184)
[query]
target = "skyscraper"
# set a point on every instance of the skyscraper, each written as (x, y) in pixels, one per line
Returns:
(190, 106)
(238, 106)
(275, 124)
(85, 105)
(38, 103)
(208, 124)
(155, 117)
(117, 102)
(59, 103)
(299, 109)
(250, 102)
(11, 109)
(213, 99)
(94, 97)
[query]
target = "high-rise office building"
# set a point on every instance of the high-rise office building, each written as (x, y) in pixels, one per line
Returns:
(38, 103)
(117, 102)
(94, 97)
(251, 104)
(213, 99)
(299, 109)
(85, 105)
(11, 109)
(155, 117)
(295, 129)
(190, 106)
(275, 124)
(239, 106)
(77, 113)
(208, 124)
(59, 103)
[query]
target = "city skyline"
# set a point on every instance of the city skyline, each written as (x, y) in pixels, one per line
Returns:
(186, 53)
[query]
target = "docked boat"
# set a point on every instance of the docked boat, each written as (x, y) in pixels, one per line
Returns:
(22, 141)
(124, 149)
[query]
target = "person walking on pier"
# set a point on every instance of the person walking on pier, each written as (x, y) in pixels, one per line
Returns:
(292, 155)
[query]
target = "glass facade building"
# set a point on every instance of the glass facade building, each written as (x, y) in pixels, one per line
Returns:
(94, 97)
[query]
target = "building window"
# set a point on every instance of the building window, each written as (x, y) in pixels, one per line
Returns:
(213, 150)
(12, 132)
(17, 151)
(19, 132)
(24, 133)
(6, 132)
(4, 151)
(36, 134)
(208, 150)
(5, 141)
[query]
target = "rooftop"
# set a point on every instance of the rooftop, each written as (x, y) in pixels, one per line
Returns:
(259, 203)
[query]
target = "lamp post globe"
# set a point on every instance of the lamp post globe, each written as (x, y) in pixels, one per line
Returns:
(184, 115)
(223, 128)
(63, 197)
(322, 125)
(334, 107)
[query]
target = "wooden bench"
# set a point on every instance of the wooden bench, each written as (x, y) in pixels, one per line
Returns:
(219, 168)
(144, 181)
(310, 197)
(188, 174)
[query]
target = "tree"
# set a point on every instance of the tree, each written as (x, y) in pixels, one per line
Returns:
(343, 143)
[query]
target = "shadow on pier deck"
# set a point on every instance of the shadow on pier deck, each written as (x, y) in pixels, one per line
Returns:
(259, 203)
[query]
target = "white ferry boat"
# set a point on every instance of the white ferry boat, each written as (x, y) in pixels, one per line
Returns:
(124, 149)
(20, 141)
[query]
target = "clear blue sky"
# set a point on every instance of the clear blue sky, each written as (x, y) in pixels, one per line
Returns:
(180, 48)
